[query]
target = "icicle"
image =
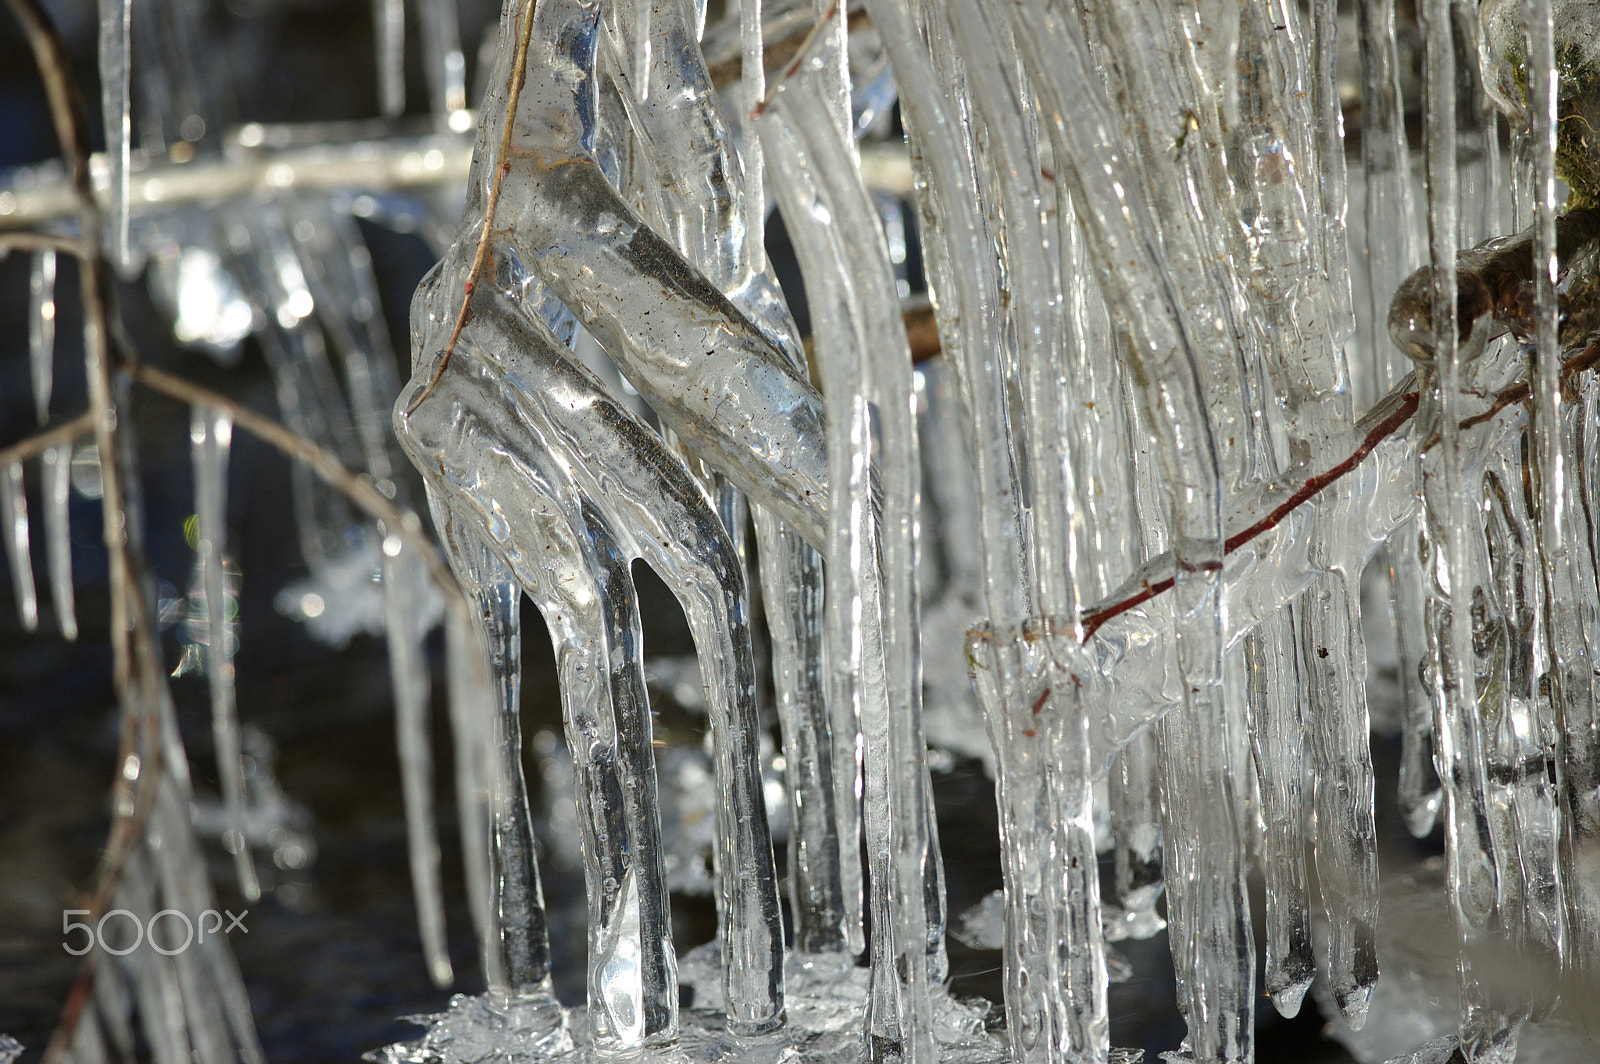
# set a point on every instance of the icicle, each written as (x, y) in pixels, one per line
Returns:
(477, 730)
(1455, 574)
(332, 271)
(14, 519)
(1213, 955)
(1330, 161)
(809, 179)
(1391, 255)
(42, 329)
(1565, 696)
(1390, 231)
(1136, 820)
(390, 24)
(517, 952)
(824, 880)
(641, 47)
(834, 45)
(1419, 792)
(753, 86)
(446, 65)
(1580, 761)
(1276, 734)
(116, 18)
(408, 671)
(211, 433)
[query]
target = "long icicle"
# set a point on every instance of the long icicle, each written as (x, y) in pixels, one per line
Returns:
(42, 330)
(211, 434)
(853, 574)
(57, 491)
(1570, 706)
(390, 27)
(14, 528)
(408, 671)
(1472, 872)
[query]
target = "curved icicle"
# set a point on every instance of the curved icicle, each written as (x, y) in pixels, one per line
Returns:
(603, 491)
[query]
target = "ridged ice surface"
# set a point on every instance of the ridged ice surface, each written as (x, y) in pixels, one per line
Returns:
(1153, 523)
(1102, 485)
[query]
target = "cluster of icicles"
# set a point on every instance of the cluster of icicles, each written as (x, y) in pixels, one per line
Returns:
(1138, 485)
(1146, 309)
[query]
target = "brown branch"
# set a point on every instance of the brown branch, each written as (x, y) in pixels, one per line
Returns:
(29, 241)
(1404, 409)
(136, 669)
(502, 167)
(59, 436)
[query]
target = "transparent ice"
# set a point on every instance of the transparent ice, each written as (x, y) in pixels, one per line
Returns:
(1192, 411)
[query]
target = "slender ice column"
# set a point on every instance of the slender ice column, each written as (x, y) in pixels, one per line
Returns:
(14, 527)
(390, 29)
(42, 329)
(1453, 559)
(116, 19)
(56, 463)
(517, 960)
(211, 433)
(335, 268)
(1277, 737)
(444, 64)
(874, 635)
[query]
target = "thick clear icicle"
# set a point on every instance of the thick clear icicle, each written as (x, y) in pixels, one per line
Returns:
(1565, 695)
(885, 690)
(211, 436)
(1453, 559)
(753, 88)
(1276, 736)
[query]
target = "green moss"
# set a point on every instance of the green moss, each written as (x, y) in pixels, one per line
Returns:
(1577, 122)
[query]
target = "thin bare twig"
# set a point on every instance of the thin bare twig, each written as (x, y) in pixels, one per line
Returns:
(1401, 407)
(39, 443)
(136, 669)
(502, 167)
(30, 241)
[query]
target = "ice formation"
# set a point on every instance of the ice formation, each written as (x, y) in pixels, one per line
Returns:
(1192, 420)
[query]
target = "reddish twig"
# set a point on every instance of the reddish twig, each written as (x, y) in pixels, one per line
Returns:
(480, 257)
(1404, 409)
